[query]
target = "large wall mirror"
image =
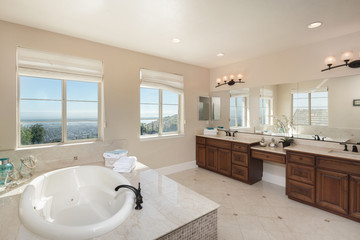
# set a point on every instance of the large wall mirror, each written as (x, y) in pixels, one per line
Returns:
(325, 109)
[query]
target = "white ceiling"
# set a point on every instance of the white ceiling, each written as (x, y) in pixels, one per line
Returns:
(241, 29)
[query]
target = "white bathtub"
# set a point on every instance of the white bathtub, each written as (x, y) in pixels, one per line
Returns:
(75, 203)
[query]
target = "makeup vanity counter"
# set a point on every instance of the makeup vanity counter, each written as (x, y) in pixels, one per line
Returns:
(169, 209)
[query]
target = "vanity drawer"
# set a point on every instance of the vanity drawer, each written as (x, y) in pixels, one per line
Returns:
(268, 156)
(301, 191)
(218, 143)
(240, 173)
(200, 140)
(239, 158)
(301, 158)
(301, 173)
(340, 165)
(240, 147)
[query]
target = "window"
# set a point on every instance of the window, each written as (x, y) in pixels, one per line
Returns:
(238, 111)
(161, 104)
(310, 108)
(56, 107)
(266, 110)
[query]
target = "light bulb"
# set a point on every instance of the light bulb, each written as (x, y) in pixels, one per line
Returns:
(218, 80)
(225, 78)
(329, 60)
(239, 76)
(347, 56)
(231, 77)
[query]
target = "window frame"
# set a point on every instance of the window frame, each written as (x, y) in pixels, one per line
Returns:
(64, 140)
(160, 116)
(309, 98)
(245, 111)
(268, 117)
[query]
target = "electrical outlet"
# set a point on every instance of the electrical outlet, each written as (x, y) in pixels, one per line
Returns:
(75, 157)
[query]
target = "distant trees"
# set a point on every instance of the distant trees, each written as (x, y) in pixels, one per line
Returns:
(34, 134)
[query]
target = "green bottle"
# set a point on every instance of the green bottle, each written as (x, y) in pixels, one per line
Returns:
(5, 167)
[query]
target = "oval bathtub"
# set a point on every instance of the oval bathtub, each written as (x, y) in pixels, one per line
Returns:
(75, 203)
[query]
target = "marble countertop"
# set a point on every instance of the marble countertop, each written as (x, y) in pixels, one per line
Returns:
(167, 206)
(324, 151)
(278, 150)
(239, 139)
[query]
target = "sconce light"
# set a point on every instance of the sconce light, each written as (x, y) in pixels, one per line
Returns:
(231, 82)
(346, 57)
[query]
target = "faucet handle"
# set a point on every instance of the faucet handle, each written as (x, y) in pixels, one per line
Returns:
(345, 146)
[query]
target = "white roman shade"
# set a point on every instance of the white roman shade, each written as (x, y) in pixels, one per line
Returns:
(239, 92)
(53, 65)
(167, 81)
(309, 90)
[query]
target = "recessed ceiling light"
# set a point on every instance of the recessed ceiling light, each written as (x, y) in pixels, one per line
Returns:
(314, 25)
(175, 40)
(220, 54)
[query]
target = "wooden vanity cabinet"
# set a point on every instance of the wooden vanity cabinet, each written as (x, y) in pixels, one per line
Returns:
(300, 177)
(218, 156)
(244, 167)
(338, 185)
(354, 203)
(332, 190)
(200, 152)
(228, 158)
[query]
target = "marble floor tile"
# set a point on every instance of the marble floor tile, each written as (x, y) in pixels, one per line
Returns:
(262, 211)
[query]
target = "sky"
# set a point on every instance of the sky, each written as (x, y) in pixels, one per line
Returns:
(149, 103)
(40, 99)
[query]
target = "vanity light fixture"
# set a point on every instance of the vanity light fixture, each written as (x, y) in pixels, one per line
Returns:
(346, 57)
(231, 82)
(220, 54)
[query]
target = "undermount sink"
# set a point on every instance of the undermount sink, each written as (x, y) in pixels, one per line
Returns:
(75, 203)
(345, 153)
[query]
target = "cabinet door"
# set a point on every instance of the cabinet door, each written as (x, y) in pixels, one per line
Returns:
(332, 190)
(224, 161)
(200, 155)
(354, 200)
(211, 158)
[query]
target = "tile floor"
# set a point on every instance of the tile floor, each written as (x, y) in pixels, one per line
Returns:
(262, 211)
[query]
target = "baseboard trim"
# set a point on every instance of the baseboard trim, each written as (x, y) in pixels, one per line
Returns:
(176, 168)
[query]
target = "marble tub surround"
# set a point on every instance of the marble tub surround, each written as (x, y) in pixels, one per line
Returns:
(59, 156)
(167, 206)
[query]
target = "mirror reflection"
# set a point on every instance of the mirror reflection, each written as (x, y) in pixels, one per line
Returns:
(324, 109)
(204, 108)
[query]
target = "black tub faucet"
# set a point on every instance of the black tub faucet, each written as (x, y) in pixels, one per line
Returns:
(137, 192)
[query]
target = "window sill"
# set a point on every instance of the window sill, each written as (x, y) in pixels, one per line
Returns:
(42, 146)
(159, 137)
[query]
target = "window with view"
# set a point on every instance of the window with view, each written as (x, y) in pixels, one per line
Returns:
(160, 105)
(266, 110)
(52, 108)
(238, 111)
(310, 108)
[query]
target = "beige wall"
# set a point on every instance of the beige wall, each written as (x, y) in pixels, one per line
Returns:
(121, 91)
(290, 66)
